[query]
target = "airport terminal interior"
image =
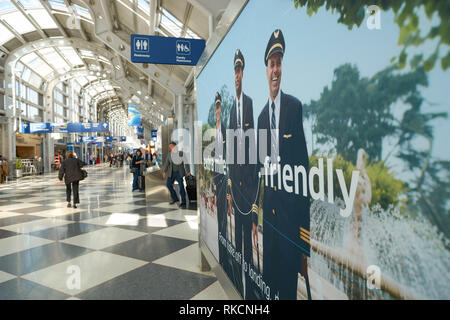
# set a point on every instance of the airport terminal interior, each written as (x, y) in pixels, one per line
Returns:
(66, 61)
(224, 150)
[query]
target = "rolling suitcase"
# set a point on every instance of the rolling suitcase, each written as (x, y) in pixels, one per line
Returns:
(141, 183)
(191, 188)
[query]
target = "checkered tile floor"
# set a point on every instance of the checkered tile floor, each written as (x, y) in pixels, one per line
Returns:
(115, 245)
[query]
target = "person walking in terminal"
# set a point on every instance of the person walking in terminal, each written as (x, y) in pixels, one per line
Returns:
(241, 179)
(175, 172)
(4, 169)
(135, 168)
(70, 170)
(286, 235)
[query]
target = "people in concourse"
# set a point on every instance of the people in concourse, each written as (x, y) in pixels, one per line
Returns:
(70, 170)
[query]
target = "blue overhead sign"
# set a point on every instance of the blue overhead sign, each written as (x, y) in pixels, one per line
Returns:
(36, 128)
(66, 127)
(88, 127)
(106, 139)
(166, 50)
(91, 139)
(116, 139)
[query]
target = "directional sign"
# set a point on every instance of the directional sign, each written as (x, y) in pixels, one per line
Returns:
(166, 50)
(60, 127)
(154, 135)
(88, 127)
(64, 127)
(115, 139)
(91, 139)
(70, 146)
(40, 127)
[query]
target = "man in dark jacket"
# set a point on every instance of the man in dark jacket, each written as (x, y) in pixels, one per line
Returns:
(71, 171)
(175, 171)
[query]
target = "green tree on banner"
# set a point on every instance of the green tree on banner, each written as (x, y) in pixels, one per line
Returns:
(359, 113)
(353, 12)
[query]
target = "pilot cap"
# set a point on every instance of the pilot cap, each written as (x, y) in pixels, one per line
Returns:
(275, 45)
(218, 98)
(239, 60)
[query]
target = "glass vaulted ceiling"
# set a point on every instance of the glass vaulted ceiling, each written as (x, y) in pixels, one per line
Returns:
(43, 63)
(22, 21)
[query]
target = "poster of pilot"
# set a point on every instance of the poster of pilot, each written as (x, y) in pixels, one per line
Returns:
(325, 167)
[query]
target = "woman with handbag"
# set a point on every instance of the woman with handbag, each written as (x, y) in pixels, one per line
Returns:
(135, 168)
(72, 173)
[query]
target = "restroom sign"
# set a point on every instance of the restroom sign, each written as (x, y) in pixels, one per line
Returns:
(183, 47)
(141, 47)
(166, 50)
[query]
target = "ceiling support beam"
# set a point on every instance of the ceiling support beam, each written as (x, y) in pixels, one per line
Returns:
(103, 31)
(56, 21)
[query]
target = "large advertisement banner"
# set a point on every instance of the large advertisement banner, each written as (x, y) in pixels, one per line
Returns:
(134, 116)
(326, 165)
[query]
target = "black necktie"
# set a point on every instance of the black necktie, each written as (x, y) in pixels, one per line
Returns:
(274, 135)
(272, 122)
(239, 114)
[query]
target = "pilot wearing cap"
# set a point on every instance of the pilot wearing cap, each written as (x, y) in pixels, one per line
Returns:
(220, 181)
(286, 231)
(241, 182)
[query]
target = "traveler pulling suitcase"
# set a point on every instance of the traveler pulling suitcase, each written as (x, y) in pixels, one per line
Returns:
(191, 188)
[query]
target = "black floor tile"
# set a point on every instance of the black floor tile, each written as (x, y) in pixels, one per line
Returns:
(33, 209)
(21, 289)
(18, 219)
(150, 282)
(140, 202)
(6, 233)
(8, 203)
(144, 226)
(67, 231)
(37, 258)
(22, 197)
(84, 215)
(153, 210)
(47, 202)
(149, 248)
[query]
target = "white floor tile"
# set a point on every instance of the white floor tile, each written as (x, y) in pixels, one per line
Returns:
(22, 205)
(185, 259)
(182, 231)
(19, 243)
(94, 268)
(36, 225)
(179, 215)
(9, 214)
(116, 219)
(121, 208)
(213, 292)
(6, 276)
(103, 238)
(57, 212)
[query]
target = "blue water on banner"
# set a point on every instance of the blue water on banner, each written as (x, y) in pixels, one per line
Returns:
(166, 50)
